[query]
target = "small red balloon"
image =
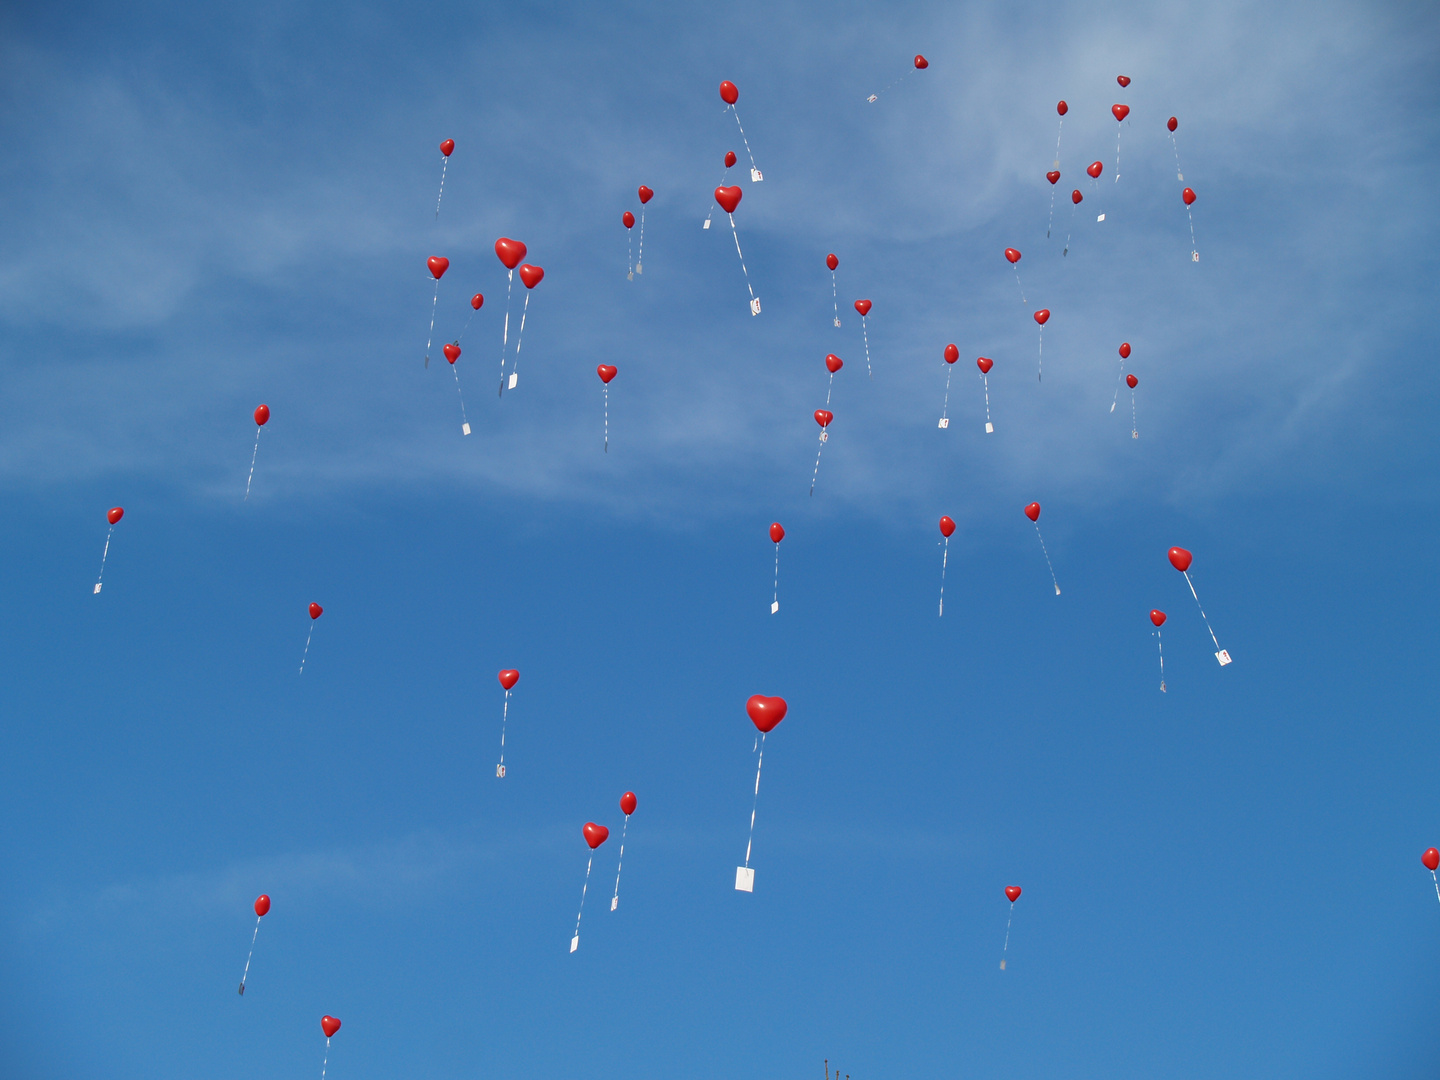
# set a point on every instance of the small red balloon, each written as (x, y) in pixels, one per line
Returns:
(1157, 617)
(606, 372)
(1123, 80)
(831, 261)
(1131, 381)
(729, 92)
(1042, 316)
(1124, 350)
(629, 219)
(1188, 195)
(951, 354)
(477, 300)
(1053, 176)
(316, 611)
(508, 678)
(1012, 255)
(1180, 559)
(262, 906)
(329, 1025)
(1012, 893)
(1172, 123)
(262, 415)
(595, 835)
(921, 62)
(1076, 197)
(531, 275)
(1431, 859)
(1033, 511)
(728, 197)
(1120, 111)
(509, 252)
(766, 712)
(447, 147)
(947, 526)
(114, 514)
(438, 265)
(1061, 108)
(645, 194)
(777, 532)
(823, 417)
(984, 363)
(1095, 168)
(729, 158)
(834, 363)
(628, 803)
(452, 352)
(863, 307)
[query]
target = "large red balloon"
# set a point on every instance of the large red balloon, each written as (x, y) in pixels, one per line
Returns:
(952, 353)
(777, 532)
(921, 62)
(508, 678)
(1157, 617)
(730, 158)
(1180, 559)
(262, 415)
(1053, 176)
(831, 261)
(1076, 197)
(452, 352)
(823, 417)
(729, 92)
(438, 265)
(329, 1025)
(1188, 195)
(984, 363)
(1061, 108)
(766, 712)
(1012, 893)
(1172, 123)
(316, 611)
(1124, 350)
(1120, 111)
(863, 307)
(114, 514)
(1095, 168)
(262, 906)
(834, 363)
(607, 372)
(1042, 316)
(947, 526)
(477, 300)
(728, 197)
(531, 275)
(1033, 511)
(645, 194)
(595, 835)
(1131, 381)
(509, 252)
(1012, 255)
(447, 147)
(1123, 80)
(628, 803)
(629, 219)
(1431, 859)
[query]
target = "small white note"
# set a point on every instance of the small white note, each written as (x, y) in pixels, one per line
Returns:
(1223, 656)
(465, 428)
(707, 224)
(97, 587)
(639, 269)
(1180, 176)
(873, 98)
(514, 378)
(755, 306)
(744, 879)
(1100, 218)
(837, 322)
(1002, 965)
(756, 176)
(1194, 256)
(989, 428)
(944, 421)
(1057, 590)
(614, 902)
(774, 607)
(824, 435)
(574, 942)
(500, 771)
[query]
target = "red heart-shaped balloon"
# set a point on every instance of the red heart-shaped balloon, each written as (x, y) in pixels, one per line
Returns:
(447, 146)
(595, 835)
(1053, 176)
(1061, 108)
(628, 803)
(606, 372)
(729, 92)
(1124, 350)
(1131, 381)
(508, 678)
(1188, 195)
(438, 264)
(947, 526)
(316, 611)
(728, 197)
(1431, 859)
(1095, 168)
(834, 363)
(952, 353)
(1120, 111)
(477, 300)
(984, 363)
(114, 514)
(629, 219)
(262, 906)
(766, 712)
(831, 261)
(1012, 893)
(262, 415)
(1123, 80)
(329, 1025)
(1042, 316)
(452, 352)
(823, 417)
(777, 532)
(1076, 197)
(1012, 255)
(1180, 559)
(729, 158)
(531, 275)
(863, 307)
(1157, 617)
(1033, 511)
(645, 194)
(921, 62)
(509, 252)
(1172, 123)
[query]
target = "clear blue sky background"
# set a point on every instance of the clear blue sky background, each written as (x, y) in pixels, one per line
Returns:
(209, 209)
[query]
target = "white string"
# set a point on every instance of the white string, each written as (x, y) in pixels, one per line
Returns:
(1118, 129)
(1070, 229)
(584, 889)
(307, 646)
(1049, 225)
(326, 1064)
(1202, 609)
(866, 335)
(1006, 949)
(466, 326)
(443, 167)
(759, 765)
(1047, 561)
(606, 388)
(1194, 251)
(744, 140)
(1040, 357)
(1161, 644)
(829, 388)
(944, 561)
(708, 216)
(629, 262)
(103, 557)
(1134, 428)
(252, 953)
(615, 900)
(1120, 378)
(824, 438)
(464, 420)
(1174, 146)
(639, 268)
(504, 716)
(1437, 884)
(776, 601)
(253, 456)
(741, 254)
(835, 296)
(505, 334)
(984, 378)
(431, 337)
(945, 408)
(519, 338)
(1016, 268)
(1058, 132)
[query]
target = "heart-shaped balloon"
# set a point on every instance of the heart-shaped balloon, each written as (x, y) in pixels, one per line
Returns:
(531, 275)
(921, 62)
(508, 678)
(1076, 197)
(984, 363)
(1042, 316)
(645, 194)
(1061, 108)
(595, 835)
(628, 803)
(1124, 350)
(509, 252)
(1120, 111)
(1188, 195)
(1180, 559)
(1172, 123)
(452, 352)
(952, 353)
(728, 197)
(766, 712)
(1123, 80)
(729, 158)
(1157, 617)
(262, 906)
(316, 611)
(1431, 859)
(1012, 893)
(114, 514)
(777, 532)
(823, 417)
(947, 526)
(1095, 168)
(1033, 511)
(477, 300)
(329, 1025)
(1053, 176)
(863, 307)
(447, 147)
(629, 219)
(262, 415)
(729, 92)
(438, 264)
(1012, 255)
(834, 363)
(606, 372)
(831, 261)
(1131, 381)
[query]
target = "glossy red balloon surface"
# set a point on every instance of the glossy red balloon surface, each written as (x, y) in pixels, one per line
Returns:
(831, 261)
(1012, 893)
(1012, 255)
(438, 264)
(729, 158)
(531, 275)
(1188, 195)
(447, 147)
(834, 363)
(477, 300)
(645, 194)
(1053, 176)
(114, 514)
(777, 532)
(728, 197)
(947, 526)
(1033, 511)
(628, 803)
(262, 906)
(1076, 197)
(1123, 80)
(1095, 168)
(921, 62)
(1431, 859)
(508, 678)
(984, 363)
(1172, 123)
(509, 252)
(823, 417)
(1042, 316)
(952, 353)
(262, 415)
(766, 712)
(1131, 381)
(1180, 559)
(595, 835)
(629, 219)
(316, 611)
(607, 372)
(329, 1025)
(1124, 350)
(1061, 108)
(863, 307)
(452, 351)
(1157, 617)
(729, 92)
(1120, 111)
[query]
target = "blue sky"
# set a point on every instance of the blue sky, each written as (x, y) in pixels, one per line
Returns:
(211, 210)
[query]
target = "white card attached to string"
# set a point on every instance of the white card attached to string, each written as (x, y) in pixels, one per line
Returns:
(574, 942)
(873, 98)
(756, 176)
(1100, 218)
(465, 428)
(1223, 656)
(989, 428)
(755, 306)
(944, 422)
(514, 378)
(707, 224)
(614, 902)
(774, 607)
(500, 771)
(744, 879)
(97, 587)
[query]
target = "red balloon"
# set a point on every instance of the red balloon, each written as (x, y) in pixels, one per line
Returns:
(645, 194)
(1180, 559)
(447, 147)
(728, 198)
(262, 415)
(1012, 255)
(1124, 350)
(729, 158)
(947, 526)
(629, 219)
(508, 678)
(262, 906)
(951, 354)
(595, 835)
(1123, 80)
(823, 417)
(452, 352)
(1042, 316)
(1033, 511)
(531, 275)
(729, 92)
(1053, 176)
(766, 712)
(777, 532)
(984, 363)
(1157, 617)
(1061, 108)
(831, 261)
(329, 1025)
(834, 363)
(477, 300)
(863, 307)
(1012, 893)
(628, 803)
(1120, 111)
(316, 611)
(438, 265)
(1188, 195)
(1131, 381)
(921, 62)
(607, 372)
(1076, 197)
(509, 252)
(1172, 123)
(1431, 859)
(1095, 168)
(114, 514)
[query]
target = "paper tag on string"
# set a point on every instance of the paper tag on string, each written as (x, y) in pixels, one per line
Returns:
(614, 902)
(744, 879)
(574, 942)
(707, 224)
(500, 771)
(755, 306)
(514, 378)
(989, 428)
(774, 607)
(97, 587)
(944, 421)
(1100, 218)
(756, 176)
(465, 428)
(1223, 656)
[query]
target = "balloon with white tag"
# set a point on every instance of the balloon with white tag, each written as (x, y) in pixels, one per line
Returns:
(262, 417)
(730, 94)
(1013, 257)
(765, 713)
(730, 160)
(510, 253)
(823, 417)
(262, 908)
(446, 149)
(452, 354)
(832, 262)
(437, 265)
(1181, 560)
(918, 64)
(777, 533)
(606, 373)
(1012, 893)
(1157, 619)
(508, 678)
(1120, 112)
(947, 530)
(863, 307)
(729, 198)
(984, 363)
(952, 354)
(330, 1025)
(1033, 513)
(315, 612)
(1431, 861)
(1124, 355)
(113, 516)
(1041, 318)
(628, 803)
(646, 194)
(530, 276)
(595, 835)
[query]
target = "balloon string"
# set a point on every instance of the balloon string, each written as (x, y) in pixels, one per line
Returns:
(519, 338)
(1161, 644)
(466, 326)
(307, 646)
(776, 601)
(629, 261)
(443, 167)
(744, 140)
(835, 297)
(504, 716)
(824, 438)
(1178, 174)
(1437, 884)
(986, 380)
(1134, 428)
(326, 1064)
(1194, 251)
(759, 765)
(1118, 380)
(253, 456)
(615, 900)
(1202, 609)
(1006, 949)
(829, 388)
(1047, 561)
(1040, 357)
(464, 420)
(429, 340)
(640, 259)
(606, 388)
(1051, 223)
(253, 936)
(944, 561)
(584, 889)
(864, 333)
(505, 334)
(1118, 129)
(103, 556)
(742, 256)
(945, 408)
(708, 216)
(1022, 287)
(1058, 132)
(1069, 231)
